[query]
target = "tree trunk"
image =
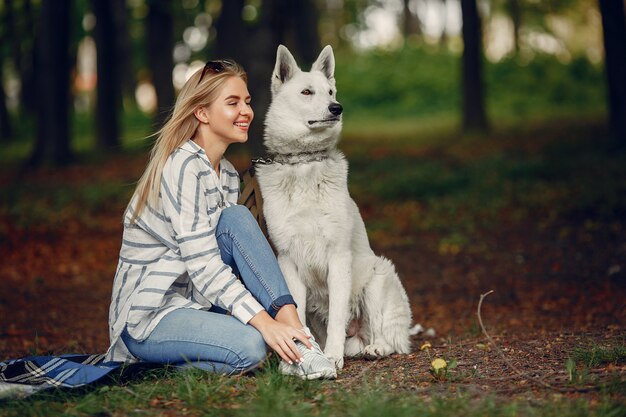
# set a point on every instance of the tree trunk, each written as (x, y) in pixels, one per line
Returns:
(6, 32)
(123, 50)
(26, 61)
(262, 55)
(231, 32)
(108, 92)
(6, 132)
(474, 116)
(53, 62)
(304, 18)
(443, 40)
(516, 18)
(10, 32)
(411, 25)
(614, 30)
(160, 47)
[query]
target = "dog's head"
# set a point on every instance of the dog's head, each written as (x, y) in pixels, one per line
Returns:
(304, 115)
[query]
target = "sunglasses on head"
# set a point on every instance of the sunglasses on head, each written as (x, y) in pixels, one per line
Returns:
(215, 67)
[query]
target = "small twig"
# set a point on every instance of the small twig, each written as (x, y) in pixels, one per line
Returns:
(509, 363)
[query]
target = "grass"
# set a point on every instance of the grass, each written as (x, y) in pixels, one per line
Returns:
(597, 355)
(166, 392)
(55, 202)
(579, 367)
(454, 185)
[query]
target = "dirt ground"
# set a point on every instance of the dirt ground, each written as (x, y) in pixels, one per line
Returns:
(552, 295)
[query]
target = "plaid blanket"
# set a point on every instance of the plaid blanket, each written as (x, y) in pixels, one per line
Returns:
(21, 377)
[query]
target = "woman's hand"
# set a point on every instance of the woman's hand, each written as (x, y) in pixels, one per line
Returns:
(280, 337)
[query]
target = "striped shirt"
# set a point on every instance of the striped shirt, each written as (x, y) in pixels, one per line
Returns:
(170, 258)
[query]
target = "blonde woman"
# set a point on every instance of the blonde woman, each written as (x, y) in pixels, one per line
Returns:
(197, 284)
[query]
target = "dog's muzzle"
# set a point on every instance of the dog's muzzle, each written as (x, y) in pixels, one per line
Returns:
(335, 109)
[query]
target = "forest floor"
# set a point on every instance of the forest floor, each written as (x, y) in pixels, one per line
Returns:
(537, 216)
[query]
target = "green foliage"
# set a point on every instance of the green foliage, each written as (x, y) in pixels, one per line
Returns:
(396, 84)
(136, 126)
(417, 83)
(518, 90)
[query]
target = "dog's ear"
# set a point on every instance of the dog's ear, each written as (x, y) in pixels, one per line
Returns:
(284, 69)
(325, 63)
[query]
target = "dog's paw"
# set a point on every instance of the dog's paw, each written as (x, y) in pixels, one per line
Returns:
(377, 350)
(334, 352)
(338, 361)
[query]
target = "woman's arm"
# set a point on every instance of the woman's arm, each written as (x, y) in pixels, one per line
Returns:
(185, 205)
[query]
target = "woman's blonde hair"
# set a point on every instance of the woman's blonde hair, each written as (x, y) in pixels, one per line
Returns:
(201, 89)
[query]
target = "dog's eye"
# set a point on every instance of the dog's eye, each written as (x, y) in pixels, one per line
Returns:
(330, 92)
(306, 92)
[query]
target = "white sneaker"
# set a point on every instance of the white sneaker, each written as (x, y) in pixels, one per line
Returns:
(315, 364)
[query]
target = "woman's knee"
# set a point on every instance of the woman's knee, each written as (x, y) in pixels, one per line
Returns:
(237, 217)
(252, 351)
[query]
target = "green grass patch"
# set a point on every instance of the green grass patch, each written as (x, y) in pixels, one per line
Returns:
(455, 185)
(166, 392)
(597, 355)
(52, 204)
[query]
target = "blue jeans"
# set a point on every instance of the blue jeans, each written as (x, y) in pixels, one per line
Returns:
(213, 340)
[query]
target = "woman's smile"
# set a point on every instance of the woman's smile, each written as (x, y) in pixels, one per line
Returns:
(243, 124)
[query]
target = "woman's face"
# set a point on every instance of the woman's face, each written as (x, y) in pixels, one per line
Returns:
(229, 116)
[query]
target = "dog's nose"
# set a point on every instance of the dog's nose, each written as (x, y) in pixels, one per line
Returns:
(335, 108)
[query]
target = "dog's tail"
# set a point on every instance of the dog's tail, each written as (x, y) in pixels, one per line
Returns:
(395, 321)
(385, 267)
(418, 328)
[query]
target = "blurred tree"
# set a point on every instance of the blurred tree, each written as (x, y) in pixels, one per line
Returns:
(6, 31)
(304, 20)
(22, 38)
(614, 29)
(261, 53)
(332, 19)
(411, 26)
(108, 89)
(443, 39)
(160, 46)
(123, 49)
(53, 63)
(231, 32)
(474, 115)
(516, 19)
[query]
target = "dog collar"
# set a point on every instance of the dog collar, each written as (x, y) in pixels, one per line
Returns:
(293, 158)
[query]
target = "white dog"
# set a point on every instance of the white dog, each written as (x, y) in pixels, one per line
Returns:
(351, 299)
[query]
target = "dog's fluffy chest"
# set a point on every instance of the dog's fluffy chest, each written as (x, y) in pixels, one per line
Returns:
(307, 206)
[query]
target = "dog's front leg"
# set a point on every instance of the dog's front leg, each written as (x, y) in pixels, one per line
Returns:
(339, 289)
(295, 284)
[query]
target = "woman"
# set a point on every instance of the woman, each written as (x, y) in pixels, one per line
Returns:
(176, 296)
